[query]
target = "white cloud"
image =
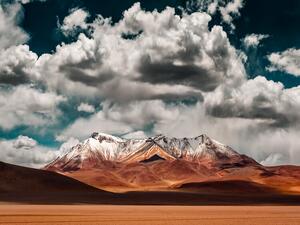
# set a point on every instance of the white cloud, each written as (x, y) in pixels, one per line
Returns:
(135, 135)
(257, 98)
(253, 40)
(83, 127)
(274, 159)
(25, 151)
(24, 142)
(287, 61)
(212, 7)
(76, 19)
(54, 70)
(16, 63)
(119, 119)
(85, 107)
(24, 105)
(11, 33)
(171, 56)
(66, 146)
(229, 10)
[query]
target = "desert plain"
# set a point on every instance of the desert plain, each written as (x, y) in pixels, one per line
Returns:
(148, 215)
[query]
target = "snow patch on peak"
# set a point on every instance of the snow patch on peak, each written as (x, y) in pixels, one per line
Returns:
(106, 137)
(109, 147)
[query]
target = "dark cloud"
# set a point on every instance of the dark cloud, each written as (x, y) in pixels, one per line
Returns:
(77, 74)
(168, 73)
(14, 79)
(123, 90)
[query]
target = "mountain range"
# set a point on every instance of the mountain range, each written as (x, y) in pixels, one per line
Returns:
(104, 169)
(155, 163)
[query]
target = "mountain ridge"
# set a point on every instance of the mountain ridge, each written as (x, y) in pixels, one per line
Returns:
(113, 164)
(104, 147)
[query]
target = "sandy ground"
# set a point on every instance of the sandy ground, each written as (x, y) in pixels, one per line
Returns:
(149, 215)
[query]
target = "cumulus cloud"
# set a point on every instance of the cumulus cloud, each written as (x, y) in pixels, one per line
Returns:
(25, 151)
(287, 61)
(231, 10)
(170, 56)
(24, 142)
(228, 10)
(25, 105)
(16, 64)
(257, 98)
(76, 20)
(85, 107)
(253, 40)
(11, 33)
(119, 119)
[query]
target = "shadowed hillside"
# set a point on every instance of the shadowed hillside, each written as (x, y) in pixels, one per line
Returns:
(32, 186)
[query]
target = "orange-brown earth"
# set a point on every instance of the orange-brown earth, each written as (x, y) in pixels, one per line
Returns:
(32, 186)
(148, 215)
(165, 174)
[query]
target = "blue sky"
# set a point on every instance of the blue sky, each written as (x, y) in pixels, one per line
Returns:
(228, 68)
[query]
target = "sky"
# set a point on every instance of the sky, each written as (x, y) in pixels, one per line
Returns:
(226, 68)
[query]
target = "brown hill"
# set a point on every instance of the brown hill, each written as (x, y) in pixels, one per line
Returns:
(32, 186)
(21, 184)
(170, 174)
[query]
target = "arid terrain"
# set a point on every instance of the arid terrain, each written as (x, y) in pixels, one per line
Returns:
(219, 186)
(148, 215)
(31, 186)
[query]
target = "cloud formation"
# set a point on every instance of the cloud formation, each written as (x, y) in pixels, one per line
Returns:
(253, 40)
(16, 63)
(24, 142)
(11, 33)
(25, 105)
(257, 98)
(25, 151)
(85, 107)
(192, 60)
(287, 61)
(76, 20)
(228, 10)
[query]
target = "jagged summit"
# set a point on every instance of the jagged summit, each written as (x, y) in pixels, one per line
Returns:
(101, 147)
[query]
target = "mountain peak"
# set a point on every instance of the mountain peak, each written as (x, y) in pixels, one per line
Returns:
(101, 147)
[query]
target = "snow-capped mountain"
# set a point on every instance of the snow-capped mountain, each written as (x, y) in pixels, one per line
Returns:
(117, 164)
(100, 148)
